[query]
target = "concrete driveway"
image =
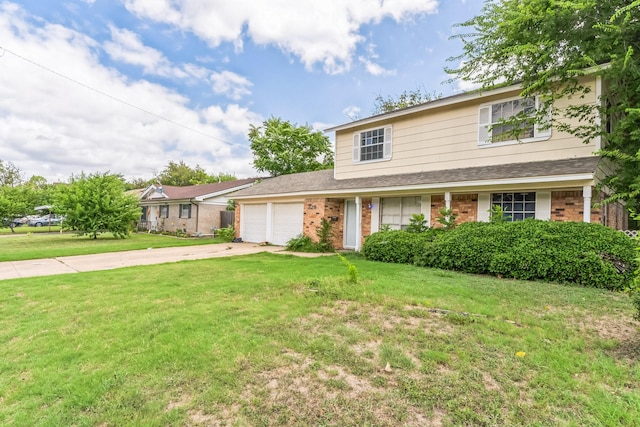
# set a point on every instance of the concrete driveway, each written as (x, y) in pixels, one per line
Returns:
(111, 260)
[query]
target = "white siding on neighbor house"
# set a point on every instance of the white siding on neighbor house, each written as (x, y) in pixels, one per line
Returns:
(287, 222)
(253, 226)
(447, 138)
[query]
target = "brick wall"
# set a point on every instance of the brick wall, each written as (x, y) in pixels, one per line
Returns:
(465, 206)
(569, 206)
(236, 222)
(317, 208)
(437, 203)
(366, 218)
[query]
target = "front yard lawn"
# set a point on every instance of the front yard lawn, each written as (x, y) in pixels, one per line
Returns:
(274, 339)
(51, 245)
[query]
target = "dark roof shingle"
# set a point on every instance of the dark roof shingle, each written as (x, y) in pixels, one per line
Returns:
(323, 181)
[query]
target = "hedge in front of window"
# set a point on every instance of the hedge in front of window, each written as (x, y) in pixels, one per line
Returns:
(565, 252)
(397, 246)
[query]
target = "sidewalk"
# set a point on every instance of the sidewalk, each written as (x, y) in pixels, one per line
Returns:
(111, 260)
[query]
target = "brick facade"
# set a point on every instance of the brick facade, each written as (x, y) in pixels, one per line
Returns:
(569, 206)
(437, 203)
(317, 208)
(465, 206)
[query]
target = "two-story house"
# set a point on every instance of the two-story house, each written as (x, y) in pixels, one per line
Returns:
(447, 153)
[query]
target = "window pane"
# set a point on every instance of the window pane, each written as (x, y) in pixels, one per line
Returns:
(516, 210)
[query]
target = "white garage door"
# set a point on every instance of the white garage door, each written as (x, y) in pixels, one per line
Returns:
(287, 222)
(254, 223)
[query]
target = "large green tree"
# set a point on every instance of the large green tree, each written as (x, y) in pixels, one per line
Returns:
(181, 174)
(546, 46)
(97, 203)
(282, 148)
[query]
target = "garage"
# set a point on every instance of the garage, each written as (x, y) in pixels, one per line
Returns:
(254, 223)
(275, 223)
(287, 222)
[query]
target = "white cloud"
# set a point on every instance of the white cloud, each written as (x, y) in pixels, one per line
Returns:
(55, 127)
(325, 32)
(230, 84)
(127, 47)
(352, 112)
(376, 69)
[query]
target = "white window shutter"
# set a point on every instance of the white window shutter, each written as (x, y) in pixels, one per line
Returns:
(484, 122)
(545, 132)
(356, 147)
(388, 136)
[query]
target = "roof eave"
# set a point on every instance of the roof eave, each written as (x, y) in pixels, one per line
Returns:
(564, 179)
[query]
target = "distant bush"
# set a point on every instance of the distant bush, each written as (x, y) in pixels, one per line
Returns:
(397, 246)
(566, 252)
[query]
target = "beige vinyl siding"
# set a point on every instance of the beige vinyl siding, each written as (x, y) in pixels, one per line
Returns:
(447, 138)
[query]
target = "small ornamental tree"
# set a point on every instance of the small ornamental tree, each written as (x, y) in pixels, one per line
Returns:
(281, 148)
(95, 204)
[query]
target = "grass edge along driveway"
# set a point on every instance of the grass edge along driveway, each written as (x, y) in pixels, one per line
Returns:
(280, 340)
(52, 245)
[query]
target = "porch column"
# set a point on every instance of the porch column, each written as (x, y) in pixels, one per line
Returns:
(447, 201)
(358, 224)
(586, 212)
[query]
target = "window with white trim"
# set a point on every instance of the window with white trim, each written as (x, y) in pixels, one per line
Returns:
(164, 211)
(515, 206)
(396, 212)
(372, 145)
(492, 128)
(185, 210)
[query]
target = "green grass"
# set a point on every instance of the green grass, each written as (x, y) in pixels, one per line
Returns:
(24, 229)
(34, 246)
(278, 340)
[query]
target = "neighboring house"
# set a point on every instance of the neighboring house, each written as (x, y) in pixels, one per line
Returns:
(424, 158)
(193, 209)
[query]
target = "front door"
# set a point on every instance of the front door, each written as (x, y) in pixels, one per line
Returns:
(350, 224)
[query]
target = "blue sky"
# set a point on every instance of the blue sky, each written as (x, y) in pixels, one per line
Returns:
(128, 85)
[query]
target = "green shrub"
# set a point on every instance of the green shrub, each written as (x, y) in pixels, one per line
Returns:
(417, 224)
(301, 243)
(397, 246)
(565, 252)
(227, 234)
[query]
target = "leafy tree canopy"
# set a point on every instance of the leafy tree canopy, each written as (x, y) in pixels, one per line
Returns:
(404, 100)
(180, 174)
(282, 148)
(10, 174)
(18, 198)
(547, 45)
(97, 203)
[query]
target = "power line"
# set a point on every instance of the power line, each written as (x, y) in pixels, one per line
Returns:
(98, 91)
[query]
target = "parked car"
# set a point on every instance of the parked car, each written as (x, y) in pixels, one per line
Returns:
(45, 220)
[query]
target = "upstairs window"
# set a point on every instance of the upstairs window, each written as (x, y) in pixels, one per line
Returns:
(185, 210)
(372, 145)
(492, 128)
(515, 206)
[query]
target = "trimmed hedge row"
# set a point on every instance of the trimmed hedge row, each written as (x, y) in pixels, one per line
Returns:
(565, 252)
(397, 246)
